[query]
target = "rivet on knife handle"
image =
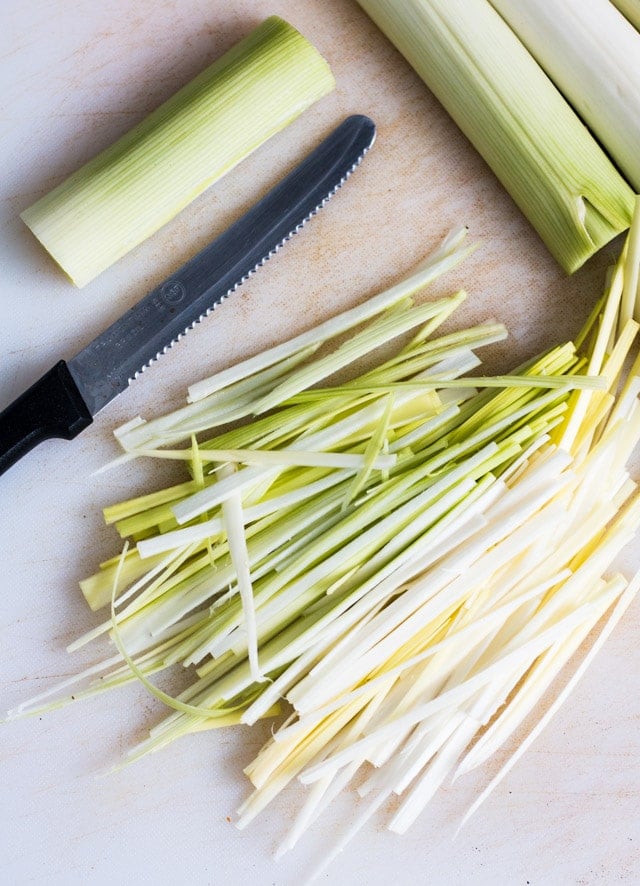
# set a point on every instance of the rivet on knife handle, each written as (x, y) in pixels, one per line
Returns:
(63, 402)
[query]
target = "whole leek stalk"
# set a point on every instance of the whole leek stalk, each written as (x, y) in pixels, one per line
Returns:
(592, 54)
(128, 191)
(515, 117)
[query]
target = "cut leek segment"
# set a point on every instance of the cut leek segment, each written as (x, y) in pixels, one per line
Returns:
(414, 596)
(515, 117)
(128, 191)
(592, 54)
(631, 11)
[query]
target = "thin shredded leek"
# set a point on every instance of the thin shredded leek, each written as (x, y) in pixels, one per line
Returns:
(413, 616)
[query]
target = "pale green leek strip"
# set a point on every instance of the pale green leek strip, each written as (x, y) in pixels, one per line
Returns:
(288, 457)
(234, 521)
(168, 541)
(565, 382)
(419, 358)
(606, 329)
(142, 181)
(444, 258)
(357, 346)
(276, 430)
(219, 408)
(97, 588)
(372, 452)
(592, 54)
(515, 117)
(327, 437)
(119, 511)
(228, 717)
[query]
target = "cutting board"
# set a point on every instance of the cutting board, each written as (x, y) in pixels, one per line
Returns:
(76, 74)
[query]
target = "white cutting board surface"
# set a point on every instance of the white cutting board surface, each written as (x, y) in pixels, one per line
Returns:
(75, 75)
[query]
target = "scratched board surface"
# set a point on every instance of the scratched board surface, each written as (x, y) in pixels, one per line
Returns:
(75, 76)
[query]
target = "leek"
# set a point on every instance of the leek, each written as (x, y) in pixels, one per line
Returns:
(413, 611)
(592, 54)
(630, 9)
(516, 118)
(128, 191)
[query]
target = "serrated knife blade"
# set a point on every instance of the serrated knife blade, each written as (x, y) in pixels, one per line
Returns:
(65, 400)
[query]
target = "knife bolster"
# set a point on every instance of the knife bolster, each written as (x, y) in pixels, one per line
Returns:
(52, 407)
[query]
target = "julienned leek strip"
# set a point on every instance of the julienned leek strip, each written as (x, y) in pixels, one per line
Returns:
(128, 191)
(515, 117)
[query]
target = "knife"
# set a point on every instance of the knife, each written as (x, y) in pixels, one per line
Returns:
(64, 401)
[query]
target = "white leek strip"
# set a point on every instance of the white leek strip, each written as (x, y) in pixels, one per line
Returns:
(168, 541)
(288, 457)
(138, 184)
(459, 694)
(425, 741)
(432, 777)
(592, 54)
(467, 635)
(626, 598)
(515, 117)
(320, 795)
(234, 520)
(536, 682)
(631, 11)
(324, 791)
(444, 258)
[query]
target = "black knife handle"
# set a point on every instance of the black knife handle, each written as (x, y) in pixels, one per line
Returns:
(52, 407)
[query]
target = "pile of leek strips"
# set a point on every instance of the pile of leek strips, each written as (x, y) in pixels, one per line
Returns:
(408, 558)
